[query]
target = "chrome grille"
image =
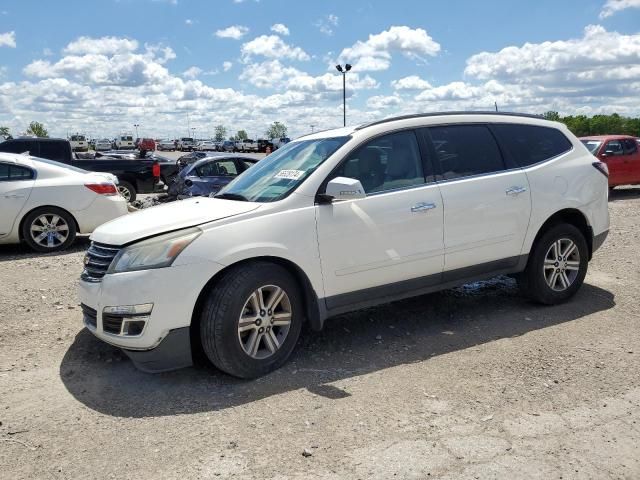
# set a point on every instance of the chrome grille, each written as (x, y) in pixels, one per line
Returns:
(97, 261)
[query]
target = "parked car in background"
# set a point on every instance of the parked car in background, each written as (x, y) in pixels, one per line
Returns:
(247, 145)
(208, 175)
(190, 158)
(279, 142)
(206, 146)
(45, 204)
(147, 144)
(228, 146)
(166, 145)
(103, 145)
(263, 144)
(79, 143)
(124, 142)
(620, 153)
(345, 219)
(186, 144)
(134, 175)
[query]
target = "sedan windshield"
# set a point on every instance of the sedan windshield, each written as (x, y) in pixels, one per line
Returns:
(592, 145)
(282, 172)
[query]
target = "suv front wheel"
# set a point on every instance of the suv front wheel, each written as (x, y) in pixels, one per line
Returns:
(251, 319)
(557, 265)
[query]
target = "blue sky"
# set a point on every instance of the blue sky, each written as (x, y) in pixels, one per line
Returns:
(101, 66)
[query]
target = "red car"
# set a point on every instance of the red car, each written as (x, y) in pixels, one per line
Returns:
(621, 153)
(148, 144)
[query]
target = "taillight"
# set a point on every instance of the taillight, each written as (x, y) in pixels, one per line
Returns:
(102, 188)
(602, 168)
(156, 170)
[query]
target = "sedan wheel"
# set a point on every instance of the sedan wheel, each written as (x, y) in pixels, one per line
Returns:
(48, 229)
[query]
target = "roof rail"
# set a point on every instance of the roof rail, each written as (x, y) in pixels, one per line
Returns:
(438, 114)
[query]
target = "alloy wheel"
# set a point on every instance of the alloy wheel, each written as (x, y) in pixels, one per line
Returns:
(264, 322)
(125, 192)
(49, 230)
(561, 264)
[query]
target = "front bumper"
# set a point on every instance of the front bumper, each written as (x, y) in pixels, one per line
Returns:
(173, 291)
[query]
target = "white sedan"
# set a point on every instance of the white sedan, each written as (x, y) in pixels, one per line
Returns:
(46, 203)
(206, 146)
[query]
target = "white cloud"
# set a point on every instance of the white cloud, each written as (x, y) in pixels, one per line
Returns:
(598, 56)
(235, 31)
(376, 52)
(192, 72)
(101, 46)
(327, 24)
(381, 102)
(226, 66)
(613, 6)
(272, 46)
(280, 29)
(188, 21)
(8, 39)
(412, 82)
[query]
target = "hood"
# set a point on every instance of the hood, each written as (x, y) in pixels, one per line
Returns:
(165, 218)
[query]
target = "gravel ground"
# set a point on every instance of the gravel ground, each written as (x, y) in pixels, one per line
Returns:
(469, 383)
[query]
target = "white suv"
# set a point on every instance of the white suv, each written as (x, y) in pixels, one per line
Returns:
(340, 220)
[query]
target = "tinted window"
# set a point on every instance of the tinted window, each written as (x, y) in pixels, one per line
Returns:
(465, 150)
(54, 151)
(221, 168)
(529, 144)
(385, 163)
(630, 146)
(14, 172)
(614, 147)
(592, 145)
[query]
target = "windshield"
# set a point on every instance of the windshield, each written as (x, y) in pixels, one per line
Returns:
(282, 172)
(77, 138)
(592, 145)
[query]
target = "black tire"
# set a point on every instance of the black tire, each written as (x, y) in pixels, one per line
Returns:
(221, 315)
(532, 281)
(124, 187)
(32, 219)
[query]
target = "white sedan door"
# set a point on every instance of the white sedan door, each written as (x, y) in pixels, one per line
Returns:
(487, 204)
(16, 182)
(393, 238)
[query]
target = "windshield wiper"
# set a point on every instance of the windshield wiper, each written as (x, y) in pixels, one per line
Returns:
(232, 196)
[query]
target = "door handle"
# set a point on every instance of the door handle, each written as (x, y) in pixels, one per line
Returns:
(421, 207)
(513, 191)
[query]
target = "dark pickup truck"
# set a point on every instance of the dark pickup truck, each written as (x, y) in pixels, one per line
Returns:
(139, 175)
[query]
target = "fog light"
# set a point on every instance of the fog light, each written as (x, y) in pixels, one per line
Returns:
(133, 327)
(142, 309)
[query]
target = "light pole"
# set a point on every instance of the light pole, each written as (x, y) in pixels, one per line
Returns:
(193, 133)
(136, 125)
(313, 126)
(344, 71)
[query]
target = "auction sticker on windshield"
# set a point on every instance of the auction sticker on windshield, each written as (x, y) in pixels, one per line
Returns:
(289, 174)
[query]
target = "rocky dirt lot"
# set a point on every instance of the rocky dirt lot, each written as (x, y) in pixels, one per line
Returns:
(470, 383)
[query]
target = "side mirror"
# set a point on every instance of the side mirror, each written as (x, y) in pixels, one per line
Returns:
(343, 188)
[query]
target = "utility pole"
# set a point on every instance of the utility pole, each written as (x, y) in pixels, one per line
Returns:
(496, 104)
(312, 127)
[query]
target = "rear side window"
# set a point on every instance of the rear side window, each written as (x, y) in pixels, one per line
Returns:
(614, 147)
(530, 144)
(630, 146)
(465, 150)
(14, 172)
(54, 151)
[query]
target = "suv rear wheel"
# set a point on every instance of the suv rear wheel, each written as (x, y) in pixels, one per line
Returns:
(557, 265)
(252, 319)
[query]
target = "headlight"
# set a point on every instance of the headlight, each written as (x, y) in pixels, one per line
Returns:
(156, 252)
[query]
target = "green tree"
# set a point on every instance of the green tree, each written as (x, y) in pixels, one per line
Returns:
(242, 135)
(5, 133)
(276, 130)
(220, 133)
(37, 129)
(551, 115)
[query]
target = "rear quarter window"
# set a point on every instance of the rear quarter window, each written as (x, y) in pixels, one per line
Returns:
(531, 144)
